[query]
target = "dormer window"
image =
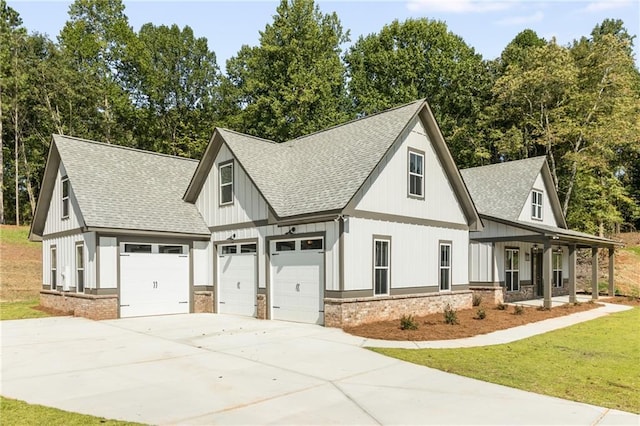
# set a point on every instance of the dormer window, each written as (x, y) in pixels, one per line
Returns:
(416, 174)
(536, 204)
(65, 197)
(226, 183)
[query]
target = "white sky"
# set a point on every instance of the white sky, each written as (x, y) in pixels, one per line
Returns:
(488, 26)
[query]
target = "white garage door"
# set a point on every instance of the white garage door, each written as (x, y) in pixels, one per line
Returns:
(297, 280)
(154, 279)
(237, 282)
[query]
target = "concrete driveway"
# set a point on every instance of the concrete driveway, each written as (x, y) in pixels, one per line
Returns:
(218, 369)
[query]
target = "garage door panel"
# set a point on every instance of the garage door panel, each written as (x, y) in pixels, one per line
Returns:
(237, 284)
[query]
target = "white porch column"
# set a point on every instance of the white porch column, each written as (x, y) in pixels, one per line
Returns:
(547, 273)
(612, 253)
(594, 273)
(572, 273)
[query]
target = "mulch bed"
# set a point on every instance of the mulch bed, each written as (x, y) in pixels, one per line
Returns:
(624, 300)
(433, 327)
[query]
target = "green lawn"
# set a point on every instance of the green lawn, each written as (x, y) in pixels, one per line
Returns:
(16, 235)
(20, 310)
(14, 412)
(596, 362)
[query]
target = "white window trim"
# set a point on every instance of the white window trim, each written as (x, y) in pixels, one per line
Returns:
(386, 268)
(420, 175)
(508, 269)
(441, 267)
(557, 283)
(65, 198)
(80, 270)
(537, 207)
(221, 166)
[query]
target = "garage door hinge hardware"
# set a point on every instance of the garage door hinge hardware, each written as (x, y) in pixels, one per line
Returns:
(276, 307)
(122, 254)
(122, 306)
(182, 302)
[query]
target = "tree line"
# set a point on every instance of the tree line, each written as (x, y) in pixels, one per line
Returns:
(161, 89)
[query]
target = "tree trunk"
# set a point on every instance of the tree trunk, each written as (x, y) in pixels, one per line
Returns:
(1, 163)
(27, 172)
(15, 142)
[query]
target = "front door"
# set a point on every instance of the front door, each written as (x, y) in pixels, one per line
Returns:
(536, 271)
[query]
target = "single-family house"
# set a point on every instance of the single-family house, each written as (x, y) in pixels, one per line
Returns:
(525, 249)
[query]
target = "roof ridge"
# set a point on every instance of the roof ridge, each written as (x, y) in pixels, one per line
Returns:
(502, 163)
(248, 135)
(143, 151)
(354, 121)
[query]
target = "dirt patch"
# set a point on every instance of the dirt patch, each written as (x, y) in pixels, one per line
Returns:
(433, 327)
(52, 312)
(21, 271)
(624, 300)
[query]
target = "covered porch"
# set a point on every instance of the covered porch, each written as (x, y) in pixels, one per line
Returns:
(549, 260)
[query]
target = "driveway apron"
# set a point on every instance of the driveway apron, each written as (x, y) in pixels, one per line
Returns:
(223, 369)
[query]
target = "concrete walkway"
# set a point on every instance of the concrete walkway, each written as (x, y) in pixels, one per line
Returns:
(220, 369)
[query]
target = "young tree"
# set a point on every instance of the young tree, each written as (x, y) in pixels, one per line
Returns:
(293, 82)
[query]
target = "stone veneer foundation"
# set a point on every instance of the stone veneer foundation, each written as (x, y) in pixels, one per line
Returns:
(95, 307)
(489, 294)
(203, 302)
(351, 312)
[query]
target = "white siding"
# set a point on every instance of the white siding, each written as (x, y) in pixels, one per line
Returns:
(248, 205)
(55, 223)
(66, 259)
(261, 233)
(108, 262)
(525, 265)
(494, 229)
(201, 262)
(385, 191)
(481, 262)
(547, 213)
(414, 254)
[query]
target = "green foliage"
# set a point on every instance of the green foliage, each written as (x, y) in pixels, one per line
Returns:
(20, 310)
(450, 315)
(502, 306)
(421, 58)
(518, 310)
(481, 314)
(595, 362)
(408, 322)
(476, 300)
(16, 412)
(293, 83)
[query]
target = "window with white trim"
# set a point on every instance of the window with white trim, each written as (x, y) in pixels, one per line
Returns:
(80, 268)
(445, 266)
(226, 183)
(557, 269)
(512, 269)
(536, 204)
(65, 197)
(416, 174)
(54, 268)
(380, 266)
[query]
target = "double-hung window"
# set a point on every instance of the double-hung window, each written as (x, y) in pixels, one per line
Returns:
(445, 266)
(381, 266)
(536, 204)
(226, 183)
(512, 269)
(557, 269)
(416, 174)
(65, 197)
(80, 268)
(54, 269)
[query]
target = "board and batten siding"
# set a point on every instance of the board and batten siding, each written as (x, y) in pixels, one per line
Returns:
(481, 262)
(547, 213)
(66, 259)
(499, 230)
(330, 229)
(202, 266)
(525, 265)
(108, 253)
(54, 222)
(386, 189)
(248, 205)
(414, 254)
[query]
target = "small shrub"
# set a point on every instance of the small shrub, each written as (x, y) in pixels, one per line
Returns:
(477, 300)
(501, 306)
(408, 322)
(576, 303)
(590, 302)
(450, 315)
(542, 308)
(518, 310)
(481, 314)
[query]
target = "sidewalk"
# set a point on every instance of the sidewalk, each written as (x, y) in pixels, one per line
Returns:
(503, 336)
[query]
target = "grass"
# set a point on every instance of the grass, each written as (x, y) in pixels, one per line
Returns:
(20, 310)
(633, 249)
(14, 412)
(595, 362)
(16, 235)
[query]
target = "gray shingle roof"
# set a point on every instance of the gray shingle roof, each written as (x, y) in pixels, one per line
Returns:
(118, 187)
(501, 189)
(321, 171)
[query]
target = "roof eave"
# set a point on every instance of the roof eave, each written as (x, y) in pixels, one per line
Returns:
(46, 193)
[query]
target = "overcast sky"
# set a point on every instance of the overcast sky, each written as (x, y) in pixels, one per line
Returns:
(485, 25)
